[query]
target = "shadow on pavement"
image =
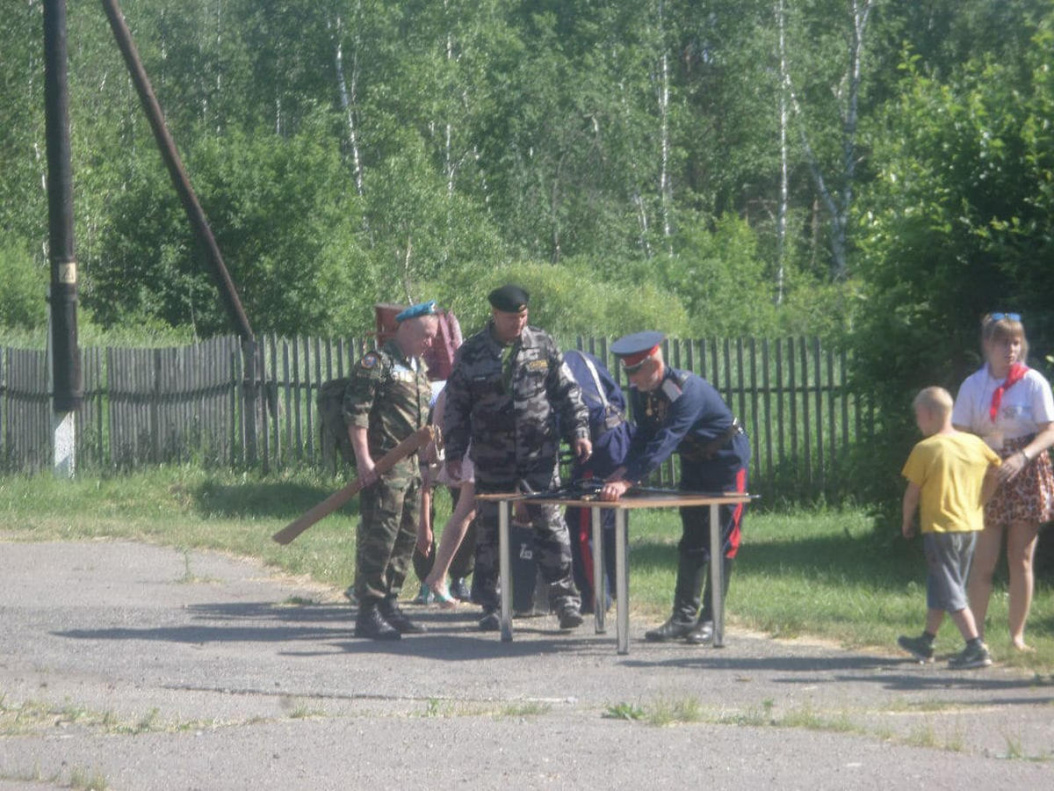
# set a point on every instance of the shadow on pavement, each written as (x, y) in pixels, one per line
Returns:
(451, 635)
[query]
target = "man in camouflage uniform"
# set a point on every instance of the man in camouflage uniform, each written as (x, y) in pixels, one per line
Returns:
(508, 384)
(387, 401)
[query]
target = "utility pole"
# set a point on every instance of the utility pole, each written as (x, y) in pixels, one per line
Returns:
(251, 352)
(67, 389)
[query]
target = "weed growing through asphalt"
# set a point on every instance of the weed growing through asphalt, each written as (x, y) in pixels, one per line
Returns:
(85, 780)
(528, 709)
(302, 711)
(1014, 750)
(624, 711)
(35, 716)
(666, 712)
(297, 601)
(808, 719)
(923, 735)
(34, 775)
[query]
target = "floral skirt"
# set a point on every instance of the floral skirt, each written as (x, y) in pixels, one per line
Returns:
(1027, 498)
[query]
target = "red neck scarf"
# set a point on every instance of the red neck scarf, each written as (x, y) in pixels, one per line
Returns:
(1014, 375)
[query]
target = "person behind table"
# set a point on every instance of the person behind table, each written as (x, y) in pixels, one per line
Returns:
(386, 401)
(680, 412)
(610, 433)
(950, 476)
(508, 383)
(1010, 406)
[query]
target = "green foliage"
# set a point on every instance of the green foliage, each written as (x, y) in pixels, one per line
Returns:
(282, 217)
(349, 153)
(25, 288)
(713, 272)
(624, 711)
(957, 225)
(570, 300)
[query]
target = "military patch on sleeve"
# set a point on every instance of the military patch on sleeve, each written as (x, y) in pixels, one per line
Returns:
(538, 365)
(369, 361)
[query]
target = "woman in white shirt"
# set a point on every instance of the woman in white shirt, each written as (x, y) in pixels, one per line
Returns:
(1011, 407)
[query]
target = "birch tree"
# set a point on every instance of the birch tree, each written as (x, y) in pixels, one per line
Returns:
(835, 184)
(784, 193)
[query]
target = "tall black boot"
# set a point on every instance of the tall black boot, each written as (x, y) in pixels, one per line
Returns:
(389, 608)
(371, 624)
(690, 572)
(703, 631)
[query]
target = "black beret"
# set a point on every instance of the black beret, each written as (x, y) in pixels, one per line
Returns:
(510, 298)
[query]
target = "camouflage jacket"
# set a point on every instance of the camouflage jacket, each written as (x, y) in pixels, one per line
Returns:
(388, 398)
(513, 426)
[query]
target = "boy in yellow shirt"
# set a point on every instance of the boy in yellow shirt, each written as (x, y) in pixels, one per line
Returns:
(950, 476)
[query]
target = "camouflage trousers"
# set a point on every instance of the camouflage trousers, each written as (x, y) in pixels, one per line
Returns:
(386, 537)
(552, 552)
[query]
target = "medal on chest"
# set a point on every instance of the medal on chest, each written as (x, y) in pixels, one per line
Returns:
(656, 408)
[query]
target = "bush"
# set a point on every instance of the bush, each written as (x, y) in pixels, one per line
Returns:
(569, 300)
(23, 297)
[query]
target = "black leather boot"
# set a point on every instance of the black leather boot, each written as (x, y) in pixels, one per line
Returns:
(389, 608)
(673, 629)
(700, 634)
(703, 631)
(371, 624)
(685, 602)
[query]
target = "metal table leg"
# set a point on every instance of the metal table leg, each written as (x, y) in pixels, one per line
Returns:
(504, 571)
(621, 581)
(717, 589)
(599, 573)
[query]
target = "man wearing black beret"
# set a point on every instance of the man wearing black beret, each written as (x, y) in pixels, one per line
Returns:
(507, 387)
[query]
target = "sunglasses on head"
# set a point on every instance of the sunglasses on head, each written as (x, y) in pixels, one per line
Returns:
(1007, 316)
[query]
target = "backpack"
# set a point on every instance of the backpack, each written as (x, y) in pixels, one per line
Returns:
(440, 356)
(332, 430)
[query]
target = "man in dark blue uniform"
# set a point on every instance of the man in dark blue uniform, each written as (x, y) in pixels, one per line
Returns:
(678, 411)
(610, 433)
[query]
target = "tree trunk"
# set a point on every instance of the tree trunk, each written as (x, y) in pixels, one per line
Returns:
(665, 186)
(838, 202)
(781, 212)
(347, 104)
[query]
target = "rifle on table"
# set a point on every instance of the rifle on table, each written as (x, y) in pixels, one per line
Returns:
(589, 489)
(418, 439)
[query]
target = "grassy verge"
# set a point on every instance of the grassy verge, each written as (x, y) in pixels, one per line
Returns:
(819, 573)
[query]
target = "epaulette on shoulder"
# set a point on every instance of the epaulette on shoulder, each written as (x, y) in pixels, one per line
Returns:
(673, 387)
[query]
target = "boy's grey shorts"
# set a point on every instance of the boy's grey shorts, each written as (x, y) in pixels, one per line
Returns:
(948, 557)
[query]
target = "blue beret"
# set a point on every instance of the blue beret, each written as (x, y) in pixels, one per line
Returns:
(510, 299)
(420, 309)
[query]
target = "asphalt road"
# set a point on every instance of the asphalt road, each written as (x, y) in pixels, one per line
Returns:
(130, 666)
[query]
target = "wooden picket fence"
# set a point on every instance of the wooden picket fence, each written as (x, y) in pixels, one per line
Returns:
(223, 402)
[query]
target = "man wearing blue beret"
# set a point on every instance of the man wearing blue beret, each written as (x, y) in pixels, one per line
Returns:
(507, 387)
(386, 401)
(679, 412)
